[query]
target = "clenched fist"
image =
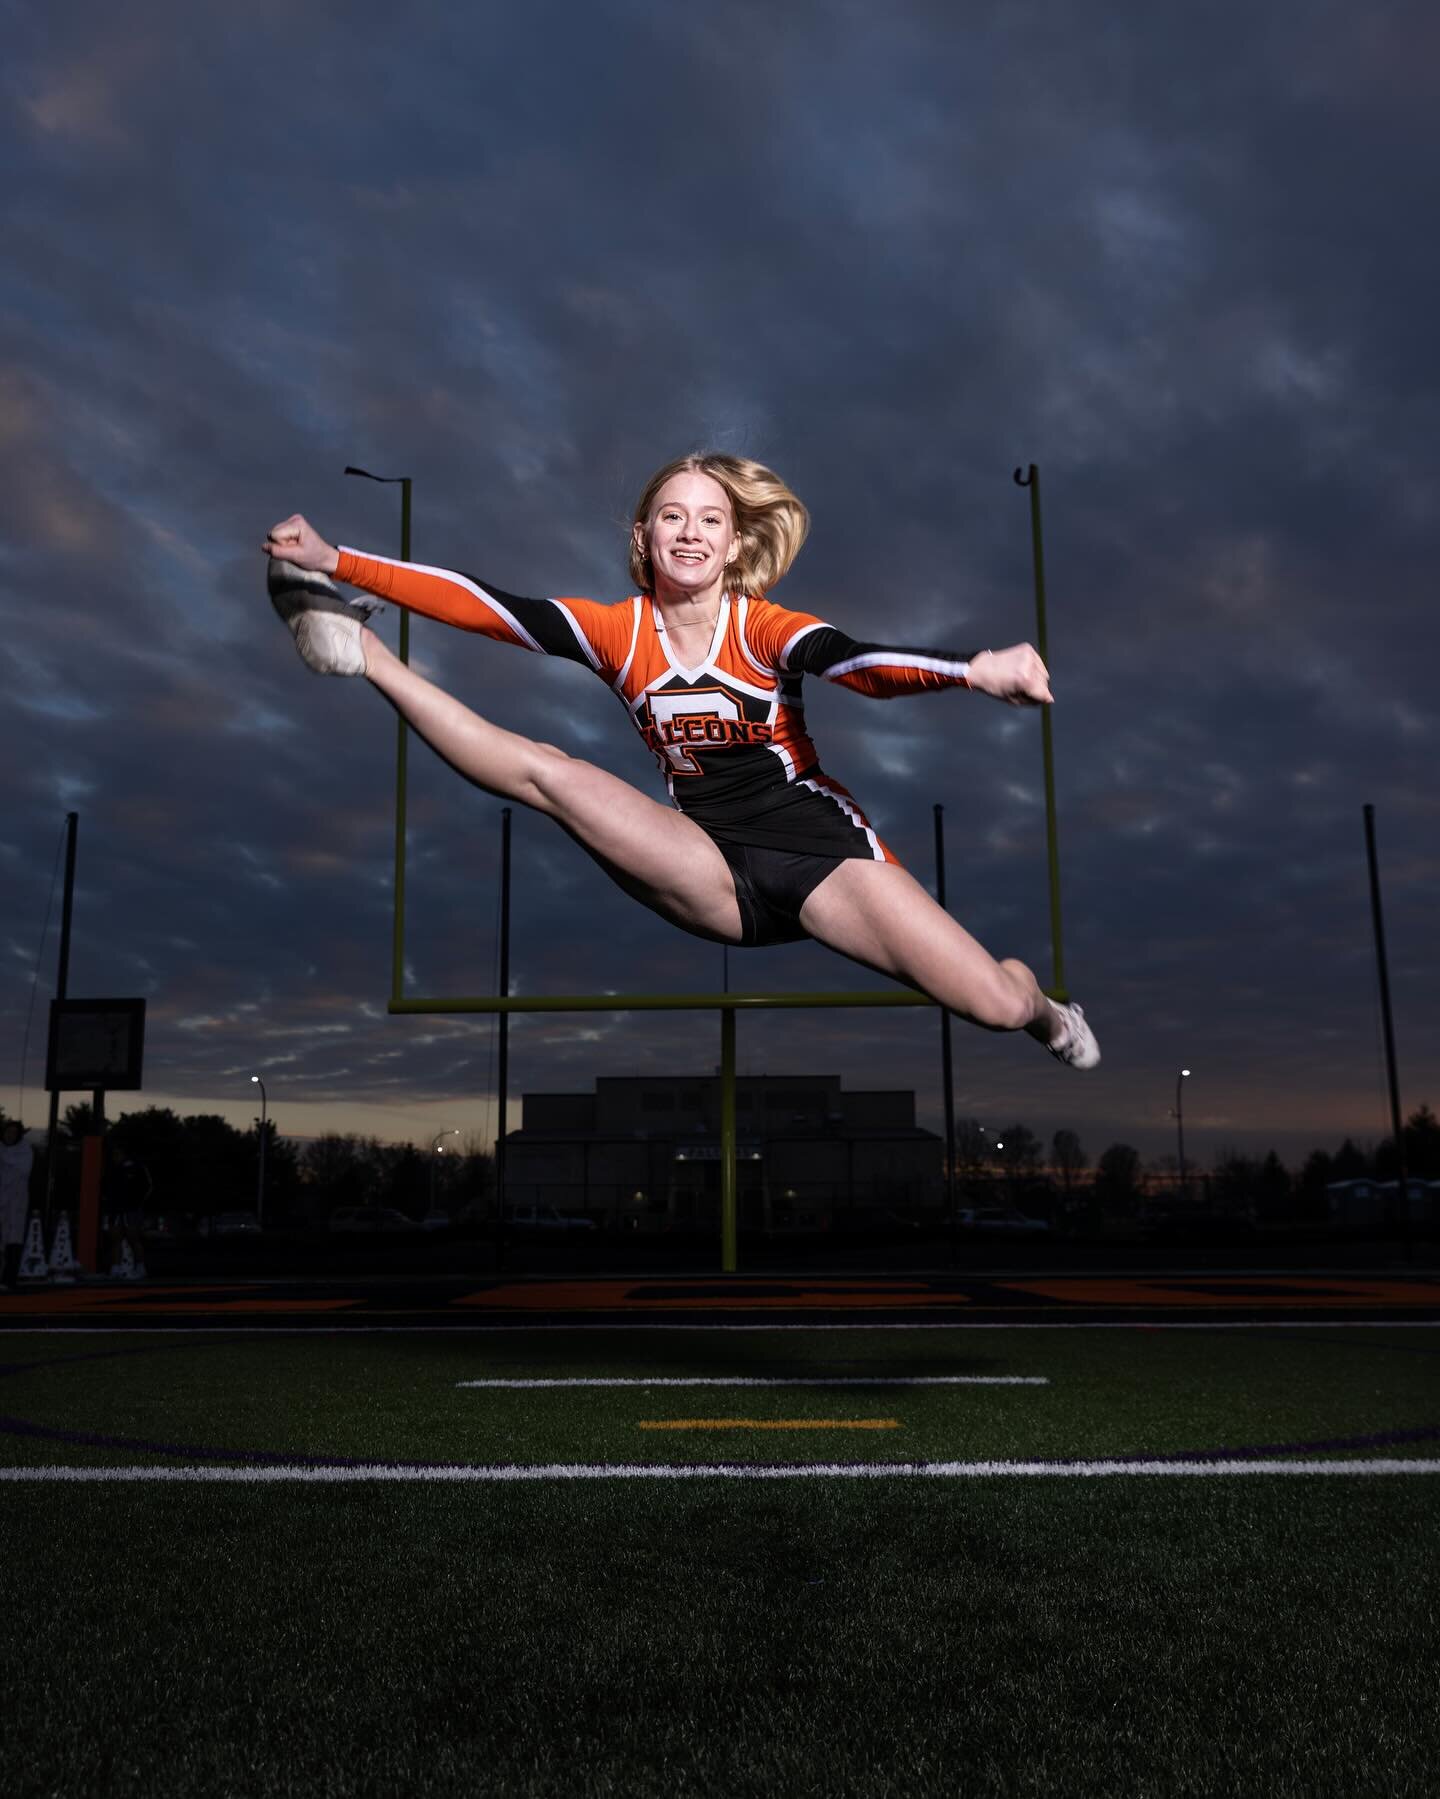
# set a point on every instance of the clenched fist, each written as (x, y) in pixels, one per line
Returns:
(1016, 675)
(296, 540)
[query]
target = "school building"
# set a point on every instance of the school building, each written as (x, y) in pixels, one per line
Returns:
(642, 1153)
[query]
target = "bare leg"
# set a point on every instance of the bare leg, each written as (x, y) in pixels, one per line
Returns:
(876, 913)
(658, 856)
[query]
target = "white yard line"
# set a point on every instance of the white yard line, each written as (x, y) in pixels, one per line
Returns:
(747, 1380)
(571, 1471)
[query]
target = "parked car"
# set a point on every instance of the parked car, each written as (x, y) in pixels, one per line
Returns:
(235, 1224)
(371, 1219)
(995, 1218)
(544, 1218)
(436, 1221)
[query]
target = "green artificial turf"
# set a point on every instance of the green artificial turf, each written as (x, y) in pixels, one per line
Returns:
(1239, 1634)
(627, 1638)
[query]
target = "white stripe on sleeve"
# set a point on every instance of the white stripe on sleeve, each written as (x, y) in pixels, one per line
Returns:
(935, 665)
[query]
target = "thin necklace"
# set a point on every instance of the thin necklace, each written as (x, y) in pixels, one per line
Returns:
(687, 621)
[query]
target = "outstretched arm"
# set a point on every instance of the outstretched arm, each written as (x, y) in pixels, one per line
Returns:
(552, 627)
(798, 643)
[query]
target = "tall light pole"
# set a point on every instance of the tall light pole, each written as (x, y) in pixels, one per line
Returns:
(947, 1063)
(67, 911)
(1402, 1216)
(435, 1150)
(1183, 1075)
(502, 1059)
(264, 1137)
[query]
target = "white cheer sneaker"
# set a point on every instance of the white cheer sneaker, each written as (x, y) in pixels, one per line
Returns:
(1077, 1048)
(324, 624)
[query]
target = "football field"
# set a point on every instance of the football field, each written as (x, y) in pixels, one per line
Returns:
(270, 1552)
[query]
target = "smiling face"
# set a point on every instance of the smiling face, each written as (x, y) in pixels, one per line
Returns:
(690, 536)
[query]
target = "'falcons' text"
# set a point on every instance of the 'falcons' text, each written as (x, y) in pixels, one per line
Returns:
(704, 731)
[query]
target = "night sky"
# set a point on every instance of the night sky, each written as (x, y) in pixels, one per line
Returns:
(1183, 258)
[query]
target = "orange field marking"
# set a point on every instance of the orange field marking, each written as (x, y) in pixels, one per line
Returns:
(248, 1305)
(769, 1424)
(632, 1296)
(1301, 1292)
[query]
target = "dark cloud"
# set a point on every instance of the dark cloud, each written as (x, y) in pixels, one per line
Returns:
(1178, 258)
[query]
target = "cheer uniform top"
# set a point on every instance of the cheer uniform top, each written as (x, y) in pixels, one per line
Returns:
(728, 733)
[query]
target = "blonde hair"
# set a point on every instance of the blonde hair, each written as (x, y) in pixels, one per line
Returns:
(770, 521)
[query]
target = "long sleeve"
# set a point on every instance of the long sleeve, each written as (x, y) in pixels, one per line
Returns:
(798, 643)
(579, 630)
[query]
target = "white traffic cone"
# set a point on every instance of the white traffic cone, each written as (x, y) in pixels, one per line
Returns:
(33, 1266)
(63, 1267)
(124, 1266)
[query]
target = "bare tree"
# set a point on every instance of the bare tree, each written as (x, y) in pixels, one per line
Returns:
(1070, 1158)
(1117, 1179)
(1021, 1154)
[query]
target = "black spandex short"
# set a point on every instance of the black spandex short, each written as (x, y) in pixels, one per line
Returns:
(812, 827)
(771, 887)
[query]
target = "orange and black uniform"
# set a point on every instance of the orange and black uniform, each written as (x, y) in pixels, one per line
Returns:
(728, 733)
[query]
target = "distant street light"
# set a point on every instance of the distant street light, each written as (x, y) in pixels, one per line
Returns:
(1180, 1123)
(435, 1151)
(985, 1131)
(995, 1145)
(260, 1184)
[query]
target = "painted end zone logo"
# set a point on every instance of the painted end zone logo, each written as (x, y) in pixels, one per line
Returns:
(699, 718)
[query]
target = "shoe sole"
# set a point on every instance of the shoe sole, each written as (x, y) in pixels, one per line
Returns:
(1088, 1048)
(325, 625)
